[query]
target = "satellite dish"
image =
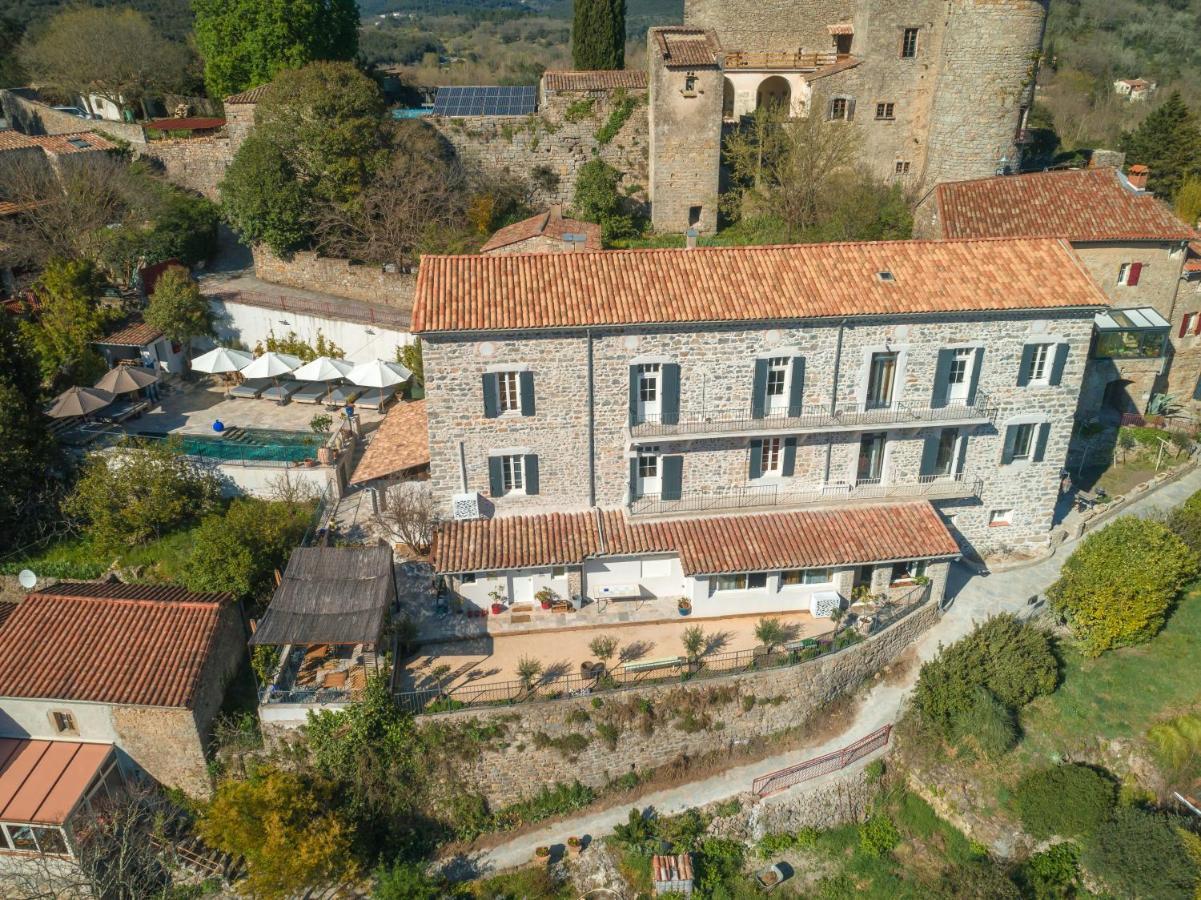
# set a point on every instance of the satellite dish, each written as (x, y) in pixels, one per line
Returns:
(27, 579)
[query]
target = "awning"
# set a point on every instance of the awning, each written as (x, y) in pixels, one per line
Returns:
(1144, 318)
(841, 28)
(41, 782)
(330, 595)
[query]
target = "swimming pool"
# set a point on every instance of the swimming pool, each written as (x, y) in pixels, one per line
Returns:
(249, 444)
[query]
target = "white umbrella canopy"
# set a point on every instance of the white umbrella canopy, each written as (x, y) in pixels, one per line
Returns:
(379, 373)
(123, 379)
(79, 401)
(222, 360)
(323, 368)
(271, 365)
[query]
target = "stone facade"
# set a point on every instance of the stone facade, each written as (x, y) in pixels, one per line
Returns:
(716, 373)
(239, 120)
(341, 277)
(33, 117)
(785, 698)
(197, 163)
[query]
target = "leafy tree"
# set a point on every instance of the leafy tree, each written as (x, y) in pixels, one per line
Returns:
(139, 493)
(1116, 588)
(597, 199)
(1188, 201)
(1067, 800)
(178, 309)
(285, 826)
(246, 43)
(770, 633)
(11, 31)
(1139, 854)
(406, 881)
(598, 34)
(1168, 142)
(84, 50)
(27, 451)
(262, 198)
(68, 319)
(410, 356)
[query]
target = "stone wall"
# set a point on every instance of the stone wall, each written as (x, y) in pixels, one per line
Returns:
(31, 117)
(197, 164)
(309, 271)
(723, 718)
(239, 120)
(548, 151)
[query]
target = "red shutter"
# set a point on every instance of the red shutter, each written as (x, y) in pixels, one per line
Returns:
(1196, 323)
(1135, 270)
(1184, 324)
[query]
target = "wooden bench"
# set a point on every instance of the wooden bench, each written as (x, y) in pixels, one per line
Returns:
(649, 665)
(802, 644)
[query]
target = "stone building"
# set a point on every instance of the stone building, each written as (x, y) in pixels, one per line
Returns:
(671, 385)
(547, 232)
(143, 667)
(1136, 251)
(938, 89)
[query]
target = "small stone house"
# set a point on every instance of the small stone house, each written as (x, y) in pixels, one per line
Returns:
(143, 667)
(546, 232)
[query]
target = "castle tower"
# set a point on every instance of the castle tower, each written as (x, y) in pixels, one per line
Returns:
(685, 128)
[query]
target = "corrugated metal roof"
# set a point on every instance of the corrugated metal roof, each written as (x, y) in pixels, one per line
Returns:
(41, 782)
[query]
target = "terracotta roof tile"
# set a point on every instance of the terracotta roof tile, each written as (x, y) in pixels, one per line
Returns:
(6, 610)
(134, 334)
(58, 144)
(687, 48)
(550, 224)
(401, 442)
(727, 284)
(144, 645)
(853, 535)
(595, 80)
(1192, 262)
(254, 95)
(1077, 204)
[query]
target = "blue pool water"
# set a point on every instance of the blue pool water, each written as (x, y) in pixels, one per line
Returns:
(250, 444)
(410, 113)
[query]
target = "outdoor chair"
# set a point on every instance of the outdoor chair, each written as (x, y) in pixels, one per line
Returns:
(313, 392)
(372, 398)
(343, 394)
(282, 392)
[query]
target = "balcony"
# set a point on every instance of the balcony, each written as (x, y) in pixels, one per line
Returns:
(817, 419)
(758, 497)
(793, 62)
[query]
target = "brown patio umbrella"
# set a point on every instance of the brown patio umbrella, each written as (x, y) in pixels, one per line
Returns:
(79, 401)
(123, 379)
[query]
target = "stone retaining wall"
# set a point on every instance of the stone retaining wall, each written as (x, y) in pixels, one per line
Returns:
(197, 164)
(341, 277)
(653, 722)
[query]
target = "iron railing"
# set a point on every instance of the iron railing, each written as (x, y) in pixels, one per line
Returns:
(766, 496)
(820, 765)
(843, 417)
(783, 60)
(629, 675)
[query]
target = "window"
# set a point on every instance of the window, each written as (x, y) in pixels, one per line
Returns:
(908, 571)
(467, 578)
(944, 458)
(773, 456)
(777, 384)
(743, 581)
(648, 383)
(63, 722)
(902, 167)
(957, 373)
(796, 577)
(1000, 517)
(1023, 440)
(839, 107)
(690, 84)
(881, 371)
(508, 391)
(870, 468)
(909, 43)
(1190, 324)
(885, 110)
(694, 215)
(50, 840)
(21, 837)
(1038, 367)
(513, 473)
(1129, 273)
(648, 467)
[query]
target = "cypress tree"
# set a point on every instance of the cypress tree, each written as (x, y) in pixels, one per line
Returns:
(598, 34)
(1169, 143)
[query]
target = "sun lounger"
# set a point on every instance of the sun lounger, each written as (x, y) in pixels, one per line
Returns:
(372, 398)
(313, 392)
(250, 390)
(283, 391)
(345, 393)
(650, 665)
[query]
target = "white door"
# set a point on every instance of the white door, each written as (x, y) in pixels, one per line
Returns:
(959, 376)
(650, 394)
(650, 474)
(522, 588)
(777, 386)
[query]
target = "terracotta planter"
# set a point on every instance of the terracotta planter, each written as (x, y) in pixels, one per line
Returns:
(497, 609)
(545, 604)
(575, 846)
(326, 456)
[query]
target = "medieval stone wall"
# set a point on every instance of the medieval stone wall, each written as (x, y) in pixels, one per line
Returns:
(651, 723)
(309, 271)
(31, 117)
(197, 163)
(772, 25)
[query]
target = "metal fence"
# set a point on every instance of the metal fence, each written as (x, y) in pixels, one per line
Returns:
(638, 673)
(820, 765)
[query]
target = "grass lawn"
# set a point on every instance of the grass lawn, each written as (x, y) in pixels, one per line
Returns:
(76, 558)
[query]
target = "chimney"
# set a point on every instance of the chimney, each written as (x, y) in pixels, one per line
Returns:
(690, 239)
(1138, 177)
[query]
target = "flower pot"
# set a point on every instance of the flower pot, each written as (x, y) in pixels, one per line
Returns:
(325, 456)
(497, 609)
(684, 607)
(545, 604)
(574, 846)
(542, 855)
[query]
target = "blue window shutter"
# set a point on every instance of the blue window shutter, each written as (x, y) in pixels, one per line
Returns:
(669, 384)
(1024, 371)
(634, 492)
(977, 369)
(496, 476)
(930, 453)
(673, 477)
(942, 372)
(788, 465)
(1007, 450)
(796, 387)
(526, 381)
(756, 467)
(759, 389)
(530, 466)
(634, 395)
(961, 460)
(1058, 364)
(1040, 438)
(491, 396)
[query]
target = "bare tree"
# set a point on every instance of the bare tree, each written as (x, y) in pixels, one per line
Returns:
(812, 151)
(411, 514)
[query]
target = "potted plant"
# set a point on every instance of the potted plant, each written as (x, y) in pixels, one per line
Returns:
(574, 845)
(545, 597)
(542, 854)
(684, 605)
(498, 601)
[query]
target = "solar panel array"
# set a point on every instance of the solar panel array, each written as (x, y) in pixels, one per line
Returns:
(486, 101)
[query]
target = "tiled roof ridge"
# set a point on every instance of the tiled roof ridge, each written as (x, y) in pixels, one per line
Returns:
(62, 591)
(130, 601)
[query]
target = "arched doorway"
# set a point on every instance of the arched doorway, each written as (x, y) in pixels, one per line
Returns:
(727, 99)
(775, 91)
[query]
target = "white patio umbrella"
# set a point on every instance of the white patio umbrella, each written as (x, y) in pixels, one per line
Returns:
(222, 360)
(271, 365)
(324, 368)
(379, 373)
(79, 401)
(124, 379)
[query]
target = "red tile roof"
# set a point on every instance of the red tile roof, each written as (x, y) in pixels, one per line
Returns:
(1076, 204)
(726, 284)
(549, 224)
(77, 142)
(254, 95)
(595, 80)
(6, 610)
(687, 48)
(1192, 262)
(401, 442)
(143, 645)
(193, 123)
(852, 535)
(134, 334)
(42, 782)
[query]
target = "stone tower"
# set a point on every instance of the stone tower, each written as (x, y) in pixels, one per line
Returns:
(685, 128)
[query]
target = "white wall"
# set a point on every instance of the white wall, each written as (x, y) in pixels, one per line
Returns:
(248, 325)
(772, 599)
(746, 90)
(259, 481)
(21, 717)
(529, 581)
(631, 570)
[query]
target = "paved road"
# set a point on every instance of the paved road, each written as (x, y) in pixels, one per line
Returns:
(974, 598)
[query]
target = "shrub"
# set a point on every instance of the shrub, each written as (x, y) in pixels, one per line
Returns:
(1185, 522)
(1067, 800)
(874, 771)
(624, 107)
(694, 641)
(1013, 661)
(608, 733)
(603, 647)
(1177, 747)
(1116, 588)
(597, 199)
(718, 862)
(878, 836)
(981, 879)
(988, 722)
(1139, 854)
(1052, 874)
(405, 881)
(636, 834)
